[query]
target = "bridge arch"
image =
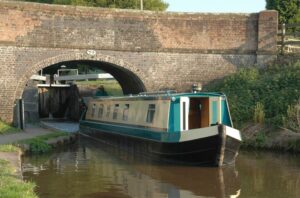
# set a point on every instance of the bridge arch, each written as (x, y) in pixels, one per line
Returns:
(129, 76)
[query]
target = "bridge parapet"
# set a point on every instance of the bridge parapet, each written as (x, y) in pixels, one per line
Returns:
(56, 26)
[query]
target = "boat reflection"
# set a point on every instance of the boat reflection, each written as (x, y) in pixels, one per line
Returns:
(96, 170)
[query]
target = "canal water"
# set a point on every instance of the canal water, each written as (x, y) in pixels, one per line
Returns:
(91, 169)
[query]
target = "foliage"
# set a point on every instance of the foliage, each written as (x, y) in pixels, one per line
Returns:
(260, 139)
(45, 137)
(8, 148)
(276, 87)
(296, 19)
(287, 9)
(292, 119)
(257, 142)
(156, 5)
(259, 114)
(5, 128)
(294, 145)
(11, 186)
(112, 87)
(38, 146)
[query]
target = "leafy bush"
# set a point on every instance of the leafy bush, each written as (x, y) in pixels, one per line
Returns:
(276, 86)
(260, 139)
(294, 145)
(37, 146)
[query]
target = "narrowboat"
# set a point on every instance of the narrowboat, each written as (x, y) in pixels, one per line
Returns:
(182, 128)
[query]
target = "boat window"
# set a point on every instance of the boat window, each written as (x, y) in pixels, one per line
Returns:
(150, 113)
(108, 111)
(115, 114)
(100, 111)
(93, 110)
(125, 112)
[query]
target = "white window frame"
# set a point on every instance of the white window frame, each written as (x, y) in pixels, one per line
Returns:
(186, 101)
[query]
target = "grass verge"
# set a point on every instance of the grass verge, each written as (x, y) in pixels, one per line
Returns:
(5, 128)
(11, 186)
(39, 144)
(8, 148)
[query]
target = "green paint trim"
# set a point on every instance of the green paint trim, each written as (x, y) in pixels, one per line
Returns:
(134, 131)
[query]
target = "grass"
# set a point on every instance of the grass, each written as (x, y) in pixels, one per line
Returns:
(39, 144)
(49, 136)
(112, 87)
(5, 128)
(11, 186)
(8, 148)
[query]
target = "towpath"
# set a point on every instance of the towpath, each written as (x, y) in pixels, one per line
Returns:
(32, 131)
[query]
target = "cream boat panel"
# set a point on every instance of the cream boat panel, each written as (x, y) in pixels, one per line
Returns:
(137, 112)
(198, 133)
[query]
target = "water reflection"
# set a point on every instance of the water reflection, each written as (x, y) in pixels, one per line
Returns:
(265, 174)
(95, 170)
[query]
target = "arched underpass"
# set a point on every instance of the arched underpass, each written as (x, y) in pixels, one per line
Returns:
(129, 82)
(62, 100)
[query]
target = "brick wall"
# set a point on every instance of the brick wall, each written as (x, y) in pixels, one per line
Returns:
(144, 50)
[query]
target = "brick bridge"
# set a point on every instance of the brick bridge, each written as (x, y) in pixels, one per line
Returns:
(143, 50)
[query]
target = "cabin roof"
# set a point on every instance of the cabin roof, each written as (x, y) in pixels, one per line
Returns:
(165, 96)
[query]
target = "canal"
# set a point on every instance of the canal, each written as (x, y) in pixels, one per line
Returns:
(91, 169)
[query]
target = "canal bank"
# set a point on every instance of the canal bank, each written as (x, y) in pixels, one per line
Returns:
(11, 183)
(34, 140)
(263, 137)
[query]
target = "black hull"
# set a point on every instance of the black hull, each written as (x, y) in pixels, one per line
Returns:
(215, 150)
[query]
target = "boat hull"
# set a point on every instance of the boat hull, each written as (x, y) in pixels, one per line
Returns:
(188, 148)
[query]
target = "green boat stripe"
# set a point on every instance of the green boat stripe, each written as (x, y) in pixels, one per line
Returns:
(143, 133)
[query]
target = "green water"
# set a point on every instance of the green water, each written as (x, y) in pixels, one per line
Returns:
(90, 169)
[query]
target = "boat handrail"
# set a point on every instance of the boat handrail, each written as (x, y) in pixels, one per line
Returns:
(165, 92)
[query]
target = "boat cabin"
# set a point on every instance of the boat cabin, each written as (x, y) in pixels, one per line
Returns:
(169, 112)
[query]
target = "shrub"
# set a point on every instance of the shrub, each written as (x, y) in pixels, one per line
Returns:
(37, 146)
(260, 139)
(259, 114)
(276, 86)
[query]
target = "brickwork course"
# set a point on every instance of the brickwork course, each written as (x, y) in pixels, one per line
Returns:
(143, 50)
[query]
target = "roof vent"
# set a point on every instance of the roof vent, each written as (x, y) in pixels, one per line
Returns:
(196, 88)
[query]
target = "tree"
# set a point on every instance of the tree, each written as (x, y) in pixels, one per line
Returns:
(287, 9)
(155, 5)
